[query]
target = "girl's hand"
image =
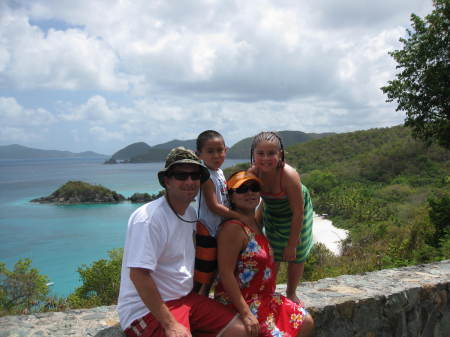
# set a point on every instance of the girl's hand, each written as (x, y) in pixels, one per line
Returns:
(251, 324)
(289, 253)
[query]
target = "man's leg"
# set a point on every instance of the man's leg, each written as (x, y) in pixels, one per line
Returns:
(209, 318)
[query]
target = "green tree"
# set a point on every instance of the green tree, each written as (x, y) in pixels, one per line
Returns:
(422, 87)
(101, 282)
(440, 217)
(23, 289)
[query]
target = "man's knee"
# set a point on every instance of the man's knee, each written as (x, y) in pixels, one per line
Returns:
(236, 328)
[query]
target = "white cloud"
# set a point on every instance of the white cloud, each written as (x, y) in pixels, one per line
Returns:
(158, 70)
(13, 114)
(68, 60)
(104, 135)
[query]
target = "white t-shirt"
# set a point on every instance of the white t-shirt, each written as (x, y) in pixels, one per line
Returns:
(207, 217)
(159, 241)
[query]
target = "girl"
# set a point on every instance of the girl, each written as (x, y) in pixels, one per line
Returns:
(212, 209)
(287, 213)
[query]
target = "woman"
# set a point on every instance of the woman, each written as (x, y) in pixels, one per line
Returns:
(246, 270)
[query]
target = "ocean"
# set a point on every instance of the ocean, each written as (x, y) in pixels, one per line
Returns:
(59, 239)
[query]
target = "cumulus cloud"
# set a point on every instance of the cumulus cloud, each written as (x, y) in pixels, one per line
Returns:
(13, 114)
(70, 59)
(153, 71)
(104, 135)
(18, 124)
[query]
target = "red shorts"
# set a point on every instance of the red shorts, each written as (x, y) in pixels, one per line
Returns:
(202, 315)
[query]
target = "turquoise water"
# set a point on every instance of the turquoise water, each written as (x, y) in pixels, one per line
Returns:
(59, 239)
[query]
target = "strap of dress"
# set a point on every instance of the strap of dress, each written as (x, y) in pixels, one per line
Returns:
(250, 234)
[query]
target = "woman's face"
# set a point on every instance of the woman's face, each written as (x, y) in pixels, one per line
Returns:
(247, 196)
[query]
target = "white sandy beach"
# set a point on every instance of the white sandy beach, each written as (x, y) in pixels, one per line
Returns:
(325, 233)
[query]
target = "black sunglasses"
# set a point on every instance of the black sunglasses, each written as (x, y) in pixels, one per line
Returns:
(184, 175)
(254, 187)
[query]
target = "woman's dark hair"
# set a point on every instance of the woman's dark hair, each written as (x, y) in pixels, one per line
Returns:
(205, 136)
(267, 136)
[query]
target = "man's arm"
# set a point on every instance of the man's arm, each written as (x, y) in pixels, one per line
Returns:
(151, 297)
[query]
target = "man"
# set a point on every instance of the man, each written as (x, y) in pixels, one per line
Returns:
(156, 297)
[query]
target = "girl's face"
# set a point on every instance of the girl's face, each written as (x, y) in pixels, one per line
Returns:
(213, 153)
(266, 156)
(247, 196)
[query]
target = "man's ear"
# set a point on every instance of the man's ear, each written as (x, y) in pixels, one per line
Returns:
(166, 180)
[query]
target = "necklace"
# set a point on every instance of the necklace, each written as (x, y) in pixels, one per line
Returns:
(176, 214)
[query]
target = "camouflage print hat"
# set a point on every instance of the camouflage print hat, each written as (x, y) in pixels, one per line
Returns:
(181, 155)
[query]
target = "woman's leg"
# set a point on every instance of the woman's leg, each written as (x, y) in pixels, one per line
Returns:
(307, 327)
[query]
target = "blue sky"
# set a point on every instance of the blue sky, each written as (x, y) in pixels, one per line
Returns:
(100, 75)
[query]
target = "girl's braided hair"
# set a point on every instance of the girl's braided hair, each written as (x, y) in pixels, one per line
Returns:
(270, 137)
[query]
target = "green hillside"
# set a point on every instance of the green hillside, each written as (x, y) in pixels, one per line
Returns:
(141, 152)
(16, 151)
(130, 151)
(241, 149)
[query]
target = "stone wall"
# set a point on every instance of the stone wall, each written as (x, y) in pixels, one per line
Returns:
(411, 301)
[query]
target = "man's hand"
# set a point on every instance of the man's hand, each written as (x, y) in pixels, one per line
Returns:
(177, 329)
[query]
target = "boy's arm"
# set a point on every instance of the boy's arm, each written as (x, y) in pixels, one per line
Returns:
(293, 188)
(151, 297)
(209, 193)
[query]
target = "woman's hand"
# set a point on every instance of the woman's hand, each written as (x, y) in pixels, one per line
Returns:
(289, 253)
(251, 324)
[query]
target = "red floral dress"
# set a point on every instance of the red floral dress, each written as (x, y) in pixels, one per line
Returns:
(255, 273)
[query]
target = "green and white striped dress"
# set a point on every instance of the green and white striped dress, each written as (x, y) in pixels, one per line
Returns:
(277, 224)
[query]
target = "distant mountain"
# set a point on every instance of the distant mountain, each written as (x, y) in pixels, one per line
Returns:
(130, 151)
(242, 148)
(189, 144)
(16, 151)
(143, 153)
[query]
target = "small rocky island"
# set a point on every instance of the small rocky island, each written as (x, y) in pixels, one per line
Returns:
(79, 192)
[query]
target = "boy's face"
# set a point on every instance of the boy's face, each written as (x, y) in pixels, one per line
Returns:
(213, 153)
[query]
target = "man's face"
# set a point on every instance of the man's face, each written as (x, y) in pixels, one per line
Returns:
(183, 181)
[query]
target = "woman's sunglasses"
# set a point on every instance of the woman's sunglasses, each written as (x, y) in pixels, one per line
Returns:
(254, 187)
(184, 175)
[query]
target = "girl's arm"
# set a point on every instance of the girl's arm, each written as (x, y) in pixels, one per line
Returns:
(209, 193)
(231, 240)
(292, 186)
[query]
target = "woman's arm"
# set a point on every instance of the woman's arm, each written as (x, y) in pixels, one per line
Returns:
(209, 193)
(292, 186)
(230, 242)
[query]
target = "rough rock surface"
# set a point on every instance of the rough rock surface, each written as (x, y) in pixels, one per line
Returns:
(411, 301)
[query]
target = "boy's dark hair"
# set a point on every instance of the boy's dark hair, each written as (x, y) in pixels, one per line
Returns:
(205, 136)
(267, 136)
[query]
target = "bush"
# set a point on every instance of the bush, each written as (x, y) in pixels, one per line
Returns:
(22, 290)
(101, 282)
